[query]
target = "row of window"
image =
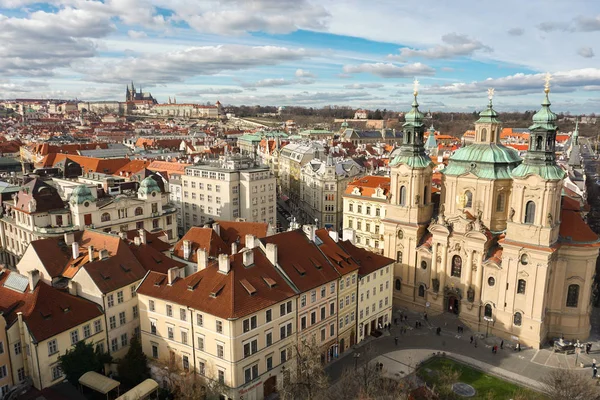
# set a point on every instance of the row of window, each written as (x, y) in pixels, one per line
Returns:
(359, 226)
(373, 307)
(110, 299)
(313, 315)
(359, 209)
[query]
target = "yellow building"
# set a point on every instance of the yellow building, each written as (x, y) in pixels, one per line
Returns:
(365, 203)
(41, 324)
(504, 252)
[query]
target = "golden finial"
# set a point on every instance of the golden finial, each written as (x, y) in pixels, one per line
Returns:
(490, 93)
(547, 80)
(415, 87)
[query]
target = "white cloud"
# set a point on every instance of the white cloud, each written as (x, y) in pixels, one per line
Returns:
(136, 34)
(270, 82)
(586, 52)
(587, 24)
(455, 45)
(388, 70)
(302, 73)
(177, 66)
(360, 86)
(209, 91)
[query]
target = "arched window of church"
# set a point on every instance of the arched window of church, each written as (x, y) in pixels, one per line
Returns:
(421, 290)
(105, 217)
(538, 143)
(521, 284)
(402, 195)
(530, 212)
(398, 284)
(456, 266)
(469, 199)
(408, 137)
(425, 194)
(573, 296)
(488, 311)
(500, 201)
(517, 319)
(483, 134)
(139, 211)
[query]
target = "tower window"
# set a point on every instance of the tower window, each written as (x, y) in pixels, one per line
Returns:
(538, 143)
(402, 195)
(398, 284)
(421, 290)
(521, 284)
(456, 266)
(483, 134)
(573, 296)
(500, 200)
(469, 199)
(408, 137)
(530, 212)
(425, 194)
(517, 319)
(399, 257)
(488, 311)
(424, 264)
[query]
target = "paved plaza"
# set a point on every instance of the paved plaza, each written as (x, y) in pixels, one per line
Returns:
(526, 367)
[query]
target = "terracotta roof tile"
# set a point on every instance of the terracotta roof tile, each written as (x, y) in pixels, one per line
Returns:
(202, 238)
(368, 184)
(230, 231)
(369, 262)
(341, 260)
(575, 232)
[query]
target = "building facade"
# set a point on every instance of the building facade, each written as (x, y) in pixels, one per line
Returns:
(502, 253)
(232, 188)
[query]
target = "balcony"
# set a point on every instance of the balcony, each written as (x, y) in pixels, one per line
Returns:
(51, 230)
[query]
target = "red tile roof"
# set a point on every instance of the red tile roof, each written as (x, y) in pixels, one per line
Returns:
(202, 238)
(341, 260)
(223, 295)
(369, 262)
(230, 231)
(368, 184)
(55, 312)
(46, 197)
(575, 232)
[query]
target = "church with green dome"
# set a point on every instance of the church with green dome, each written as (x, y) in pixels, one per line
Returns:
(501, 250)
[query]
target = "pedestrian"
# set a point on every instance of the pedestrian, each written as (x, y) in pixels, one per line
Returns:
(495, 349)
(425, 315)
(396, 340)
(518, 346)
(595, 372)
(395, 321)
(471, 342)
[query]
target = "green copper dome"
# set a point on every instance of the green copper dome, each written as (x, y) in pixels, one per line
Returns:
(487, 161)
(414, 117)
(544, 118)
(81, 194)
(148, 186)
(489, 115)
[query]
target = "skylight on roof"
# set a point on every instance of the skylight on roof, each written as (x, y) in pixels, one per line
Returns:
(299, 269)
(318, 241)
(17, 282)
(248, 286)
(192, 285)
(270, 282)
(159, 281)
(217, 290)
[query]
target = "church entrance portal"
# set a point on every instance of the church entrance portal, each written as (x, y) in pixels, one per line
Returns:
(453, 305)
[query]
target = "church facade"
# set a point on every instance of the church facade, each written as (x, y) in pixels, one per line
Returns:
(506, 251)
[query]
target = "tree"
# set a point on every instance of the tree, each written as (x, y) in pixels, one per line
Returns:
(568, 384)
(133, 368)
(81, 359)
(306, 377)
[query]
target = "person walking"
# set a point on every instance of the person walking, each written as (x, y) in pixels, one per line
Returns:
(425, 315)
(501, 344)
(396, 340)
(595, 372)
(471, 342)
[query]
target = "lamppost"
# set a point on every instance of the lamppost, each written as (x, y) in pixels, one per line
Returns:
(488, 319)
(356, 357)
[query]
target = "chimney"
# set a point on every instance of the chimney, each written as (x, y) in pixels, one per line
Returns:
(202, 256)
(103, 254)
(217, 228)
(272, 253)
(224, 264)
(123, 235)
(250, 241)
(34, 278)
(248, 258)
(334, 235)
(172, 275)
(349, 234)
(310, 230)
(75, 247)
(72, 288)
(137, 241)
(234, 248)
(69, 238)
(91, 253)
(187, 249)
(142, 233)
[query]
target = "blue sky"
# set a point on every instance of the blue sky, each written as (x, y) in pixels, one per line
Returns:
(303, 52)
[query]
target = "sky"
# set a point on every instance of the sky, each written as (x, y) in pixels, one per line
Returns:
(304, 52)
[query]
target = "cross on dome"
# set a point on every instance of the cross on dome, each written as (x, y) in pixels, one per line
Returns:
(416, 87)
(490, 93)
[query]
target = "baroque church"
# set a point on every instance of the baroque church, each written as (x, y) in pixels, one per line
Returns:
(506, 252)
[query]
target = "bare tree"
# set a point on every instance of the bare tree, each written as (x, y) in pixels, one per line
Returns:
(567, 384)
(306, 377)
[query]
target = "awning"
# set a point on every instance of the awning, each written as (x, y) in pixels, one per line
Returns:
(140, 391)
(98, 382)
(284, 197)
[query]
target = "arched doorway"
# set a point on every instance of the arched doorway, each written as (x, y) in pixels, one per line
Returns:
(270, 386)
(453, 305)
(352, 338)
(342, 346)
